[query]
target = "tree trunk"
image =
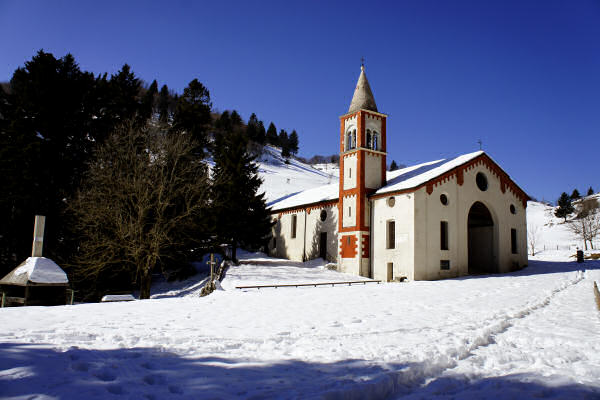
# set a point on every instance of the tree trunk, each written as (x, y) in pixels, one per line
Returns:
(234, 251)
(145, 284)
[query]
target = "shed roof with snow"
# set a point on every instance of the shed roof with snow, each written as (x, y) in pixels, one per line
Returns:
(36, 271)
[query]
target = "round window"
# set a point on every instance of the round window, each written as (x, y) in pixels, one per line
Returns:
(481, 181)
(444, 199)
(323, 215)
(513, 210)
(391, 201)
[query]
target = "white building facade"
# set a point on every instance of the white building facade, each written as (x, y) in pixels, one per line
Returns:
(435, 220)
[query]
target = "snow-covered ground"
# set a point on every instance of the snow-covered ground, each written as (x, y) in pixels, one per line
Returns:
(529, 334)
(524, 335)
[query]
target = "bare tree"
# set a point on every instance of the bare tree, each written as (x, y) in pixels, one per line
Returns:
(586, 224)
(533, 235)
(141, 205)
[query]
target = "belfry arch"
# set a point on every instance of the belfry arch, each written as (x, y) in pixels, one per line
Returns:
(482, 240)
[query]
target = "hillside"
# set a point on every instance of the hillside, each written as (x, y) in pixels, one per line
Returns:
(281, 179)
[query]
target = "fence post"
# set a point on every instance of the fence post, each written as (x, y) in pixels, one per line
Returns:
(3, 296)
(597, 295)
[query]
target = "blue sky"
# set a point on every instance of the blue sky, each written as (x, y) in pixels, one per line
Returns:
(522, 76)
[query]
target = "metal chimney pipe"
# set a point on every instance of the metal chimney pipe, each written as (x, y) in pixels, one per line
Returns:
(38, 236)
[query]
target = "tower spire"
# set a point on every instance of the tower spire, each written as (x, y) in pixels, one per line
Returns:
(363, 96)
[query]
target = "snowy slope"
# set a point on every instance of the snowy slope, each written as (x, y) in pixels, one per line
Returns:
(552, 234)
(281, 179)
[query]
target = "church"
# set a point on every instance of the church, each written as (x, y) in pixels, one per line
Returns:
(435, 220)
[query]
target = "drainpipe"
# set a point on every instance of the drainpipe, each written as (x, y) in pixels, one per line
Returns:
(372, 230)
(304, 241)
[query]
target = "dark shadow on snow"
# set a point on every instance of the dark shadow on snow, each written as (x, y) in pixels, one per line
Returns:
(29, 371)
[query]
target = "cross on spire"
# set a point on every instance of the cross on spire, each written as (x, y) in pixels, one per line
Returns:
(480, 143)
(362, 61)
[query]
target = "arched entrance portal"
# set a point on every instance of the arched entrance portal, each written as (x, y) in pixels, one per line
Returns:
(481, 240)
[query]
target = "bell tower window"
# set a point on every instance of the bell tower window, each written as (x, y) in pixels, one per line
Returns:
(350, 140)
(368, 138)
(375, 141)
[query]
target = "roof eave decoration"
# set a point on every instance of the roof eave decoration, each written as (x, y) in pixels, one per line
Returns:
(506, 183)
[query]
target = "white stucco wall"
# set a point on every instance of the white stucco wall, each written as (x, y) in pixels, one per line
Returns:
(306, 243)
(372, 170)
(350, 171)
(402, 256)
(429, 211)
(349, 218)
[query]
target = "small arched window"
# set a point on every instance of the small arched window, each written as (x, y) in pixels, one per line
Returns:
(354, 139)
(375, 141)
(368, 138)
(348, 140)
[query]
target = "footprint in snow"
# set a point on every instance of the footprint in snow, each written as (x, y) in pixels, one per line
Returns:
(175, 389)
(81, 366)
(155, 379)
(148, 365)
(116, 389)
(105, 375)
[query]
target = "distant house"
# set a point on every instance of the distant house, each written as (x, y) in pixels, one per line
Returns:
(435, 220)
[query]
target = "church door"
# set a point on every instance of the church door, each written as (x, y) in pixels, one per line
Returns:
(323, 246)
(481, 240)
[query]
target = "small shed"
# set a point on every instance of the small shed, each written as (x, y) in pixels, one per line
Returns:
(37, 280)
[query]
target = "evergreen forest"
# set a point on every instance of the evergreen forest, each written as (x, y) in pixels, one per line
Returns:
(121, 170)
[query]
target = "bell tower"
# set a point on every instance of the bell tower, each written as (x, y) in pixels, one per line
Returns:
(362, 172)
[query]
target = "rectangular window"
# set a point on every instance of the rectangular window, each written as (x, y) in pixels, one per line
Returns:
(349, 211)
(390, 272)
(513, 241)
(294, 219)
(445, 264)
(444, 235)
(391, 234)
(349, 172)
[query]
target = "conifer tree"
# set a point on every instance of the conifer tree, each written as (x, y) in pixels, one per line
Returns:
(564, 206)
(252, 128)
(272, 135)
(590, 191)
(293, 142)
(283, 141)
(147, 105)
(123, 103)
(261, 133)
(393, 166)
(575, 195)
(235, 118)
(163, 104)
(192, 114)
(241, 215)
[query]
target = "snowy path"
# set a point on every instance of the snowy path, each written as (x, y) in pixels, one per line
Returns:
(534, 332)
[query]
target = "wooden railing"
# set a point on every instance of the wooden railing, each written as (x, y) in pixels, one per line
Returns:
(349, 283)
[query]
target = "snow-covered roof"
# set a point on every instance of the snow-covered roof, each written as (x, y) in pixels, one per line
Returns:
(401, 179)
(36, 270)
(416, 175)
(315, 195)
